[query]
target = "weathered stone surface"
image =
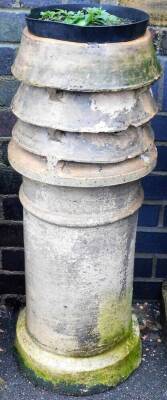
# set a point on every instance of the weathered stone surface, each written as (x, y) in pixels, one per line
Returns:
(79, 375)
(78, 66)
(80, 254)
(81, 207)
(157, 9)
(80, 174)
(76, 112)
(83, 147)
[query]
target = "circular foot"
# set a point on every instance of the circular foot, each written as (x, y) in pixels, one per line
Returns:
(75, 375)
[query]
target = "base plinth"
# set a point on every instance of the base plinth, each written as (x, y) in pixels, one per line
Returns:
(75, 375)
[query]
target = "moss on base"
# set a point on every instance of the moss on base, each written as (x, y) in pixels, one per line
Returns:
(79, 376)
(115, 320)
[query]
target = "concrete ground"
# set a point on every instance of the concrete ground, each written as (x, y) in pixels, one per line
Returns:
(149, 382)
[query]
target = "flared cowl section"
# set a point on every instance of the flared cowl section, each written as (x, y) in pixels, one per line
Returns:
(79, 376)
(80, 174)
(94, 113)
(91, 148)
(79, 66)
(157, 9)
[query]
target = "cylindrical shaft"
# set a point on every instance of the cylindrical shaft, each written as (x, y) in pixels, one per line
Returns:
(79, 271)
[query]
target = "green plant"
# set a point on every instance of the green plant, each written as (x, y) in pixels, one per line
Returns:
(84, 17)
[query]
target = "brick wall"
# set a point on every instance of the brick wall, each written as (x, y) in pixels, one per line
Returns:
(151, 247)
